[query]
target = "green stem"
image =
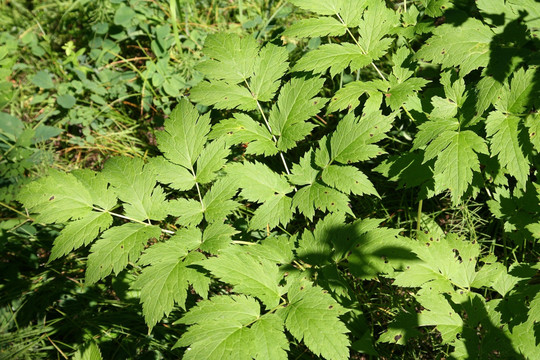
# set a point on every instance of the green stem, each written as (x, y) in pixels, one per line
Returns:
(419, 217)
(172, 6)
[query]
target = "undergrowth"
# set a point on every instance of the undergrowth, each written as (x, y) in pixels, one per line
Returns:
(356, 180)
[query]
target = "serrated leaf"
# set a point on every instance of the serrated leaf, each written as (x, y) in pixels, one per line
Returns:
(276, 210)
(235, 307)
(217, 201)
(189, 211)
(269, 68)
(222, 95)
(377, 22)
(430, 130)
(57, 197)
(438, 312)
(116, 247)
(348, 179)
(504, 131)
(185, 135)
(278, 249)
(217, 236)
(295, 105)
(233, 57)
(211, 160)
(322, 7)
(348, 96)
(165, 281)
(533, 124)
(249, 275)
(466, 46)
(354, 137)
(336, 57)
(323, 26)
(80, 232)
(271, 341)
(243, 129)
(457, 158)
(319, 197)
(258, 182)
(176, 176)
(313, 316)
(136, 187)
(98, 186)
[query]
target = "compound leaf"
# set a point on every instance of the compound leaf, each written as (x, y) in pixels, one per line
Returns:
(116, 247)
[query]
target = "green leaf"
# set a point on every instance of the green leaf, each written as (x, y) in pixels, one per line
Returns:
(258, 182)
(533, 125)
(348, 96)
(276, 210)
(223, 96)
(295, 105)
(336, 57)
(67, 101)
(319, 197)
(505, 140)
(185, 135)
(211, 160)
(217, 236)
(57, 197)
(249, 275)
(233, 58)
(457, 158)
(176, 176)
(348, 179)
(165, 281)
(102, 194)
(466, 46)
(321, 7)
(217, 203)
(80, 232)
(136, 187)
(43, 79)
(377, 22)
(271, 342)
(189, 211)
(313, 316)
(116, 247)
(354, 137)
(269, 68)
(438, 312)
(243, 129)
(323, 26)
(123, 15)
(219, 329)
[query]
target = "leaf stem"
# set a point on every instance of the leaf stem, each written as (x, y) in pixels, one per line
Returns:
(419, 217)
(131, 219)
(361, 48)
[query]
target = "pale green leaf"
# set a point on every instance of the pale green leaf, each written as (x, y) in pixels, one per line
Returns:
(295, 105)
(466, 46)
(233, 57)
(275, 210)
(348, 96)
(504, 133)
(270, 67)
(116, 247)
(533, 125)
(189, 211)
(136, 187)
(235, 307)
(98, 186)
(185, 135)
(378, 21)
(313, 316)
(323, 26)
(348, 179)
(336, 57)
(217, 201)
(249, 275)
(211, 160)
(354, 137)
(319, 197)
(223, 96)
(271, 343)
(80, 232)
(457, 159)
(176, 176)
(438, 312)
(322, 7)
(243, 129)
(258, 182)
(217, 236)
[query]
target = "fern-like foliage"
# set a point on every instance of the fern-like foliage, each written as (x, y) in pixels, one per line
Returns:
(250, 210)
